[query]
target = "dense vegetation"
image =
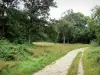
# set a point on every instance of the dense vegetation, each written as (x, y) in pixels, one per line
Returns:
(9, 51)
(91, 61)
(24, 25)
(33, 23)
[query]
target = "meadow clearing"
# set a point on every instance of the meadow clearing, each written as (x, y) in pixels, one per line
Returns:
(37, 33)
(30, 58)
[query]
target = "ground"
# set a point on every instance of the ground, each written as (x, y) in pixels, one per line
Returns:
(61, 66)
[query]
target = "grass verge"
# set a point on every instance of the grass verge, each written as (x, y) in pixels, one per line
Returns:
(74, 66)
(91, 61)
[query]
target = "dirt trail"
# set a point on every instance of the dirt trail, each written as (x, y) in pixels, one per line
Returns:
(80, 66)
(61, 66)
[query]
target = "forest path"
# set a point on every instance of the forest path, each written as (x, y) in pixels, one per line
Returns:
(80, 66)
(61, 66)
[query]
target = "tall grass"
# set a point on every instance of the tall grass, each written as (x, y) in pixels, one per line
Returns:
(42, 55)
(91, 61)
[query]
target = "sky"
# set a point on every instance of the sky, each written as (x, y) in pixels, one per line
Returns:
(83, 6)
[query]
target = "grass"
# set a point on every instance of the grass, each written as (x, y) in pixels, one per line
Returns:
(91, 61)
(74, 66)
(42, 55)
(43, 43)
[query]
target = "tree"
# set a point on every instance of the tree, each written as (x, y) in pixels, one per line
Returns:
(94, 22)
(37, 11)
(16, 25)
(76, 27)
(4, 5)
(29, 24)
(51, 29)
(65, 28)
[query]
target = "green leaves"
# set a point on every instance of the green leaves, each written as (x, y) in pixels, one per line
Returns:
(10, 51)
(94, 22)
(26, 25)
(73, 28)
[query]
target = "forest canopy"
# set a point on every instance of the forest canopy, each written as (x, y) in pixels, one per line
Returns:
(34, 24)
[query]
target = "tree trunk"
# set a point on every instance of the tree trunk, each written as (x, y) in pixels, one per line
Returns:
(3, 31)
(29, 38)
(64, 39)
(68, 41)
(3, 26)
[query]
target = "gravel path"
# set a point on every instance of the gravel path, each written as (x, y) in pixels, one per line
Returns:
(80, 66)
(61, 66)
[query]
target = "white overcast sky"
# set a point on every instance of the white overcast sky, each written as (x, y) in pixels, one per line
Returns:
(83, 6)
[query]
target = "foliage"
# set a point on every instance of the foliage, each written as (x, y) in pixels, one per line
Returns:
(25, 25)
(10, 51)
(65, 29)
(32, 23)
(94, 43)
(94, 22)
(74, 28)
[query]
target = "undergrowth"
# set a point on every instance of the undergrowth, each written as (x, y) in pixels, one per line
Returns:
(92, 61)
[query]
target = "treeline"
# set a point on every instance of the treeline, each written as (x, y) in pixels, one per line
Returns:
(74, 28)
(24, 25)
(33, 23)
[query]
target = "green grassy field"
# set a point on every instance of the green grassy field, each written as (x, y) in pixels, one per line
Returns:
(91, 61)
(74, 66)
(31, 58)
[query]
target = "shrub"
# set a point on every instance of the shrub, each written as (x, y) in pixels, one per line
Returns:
(94, 43)
(91, 61)
(10, 51)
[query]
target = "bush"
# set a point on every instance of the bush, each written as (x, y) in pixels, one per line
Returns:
(10, 51)
(6, 53)
(91, 61)
(94, 43)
